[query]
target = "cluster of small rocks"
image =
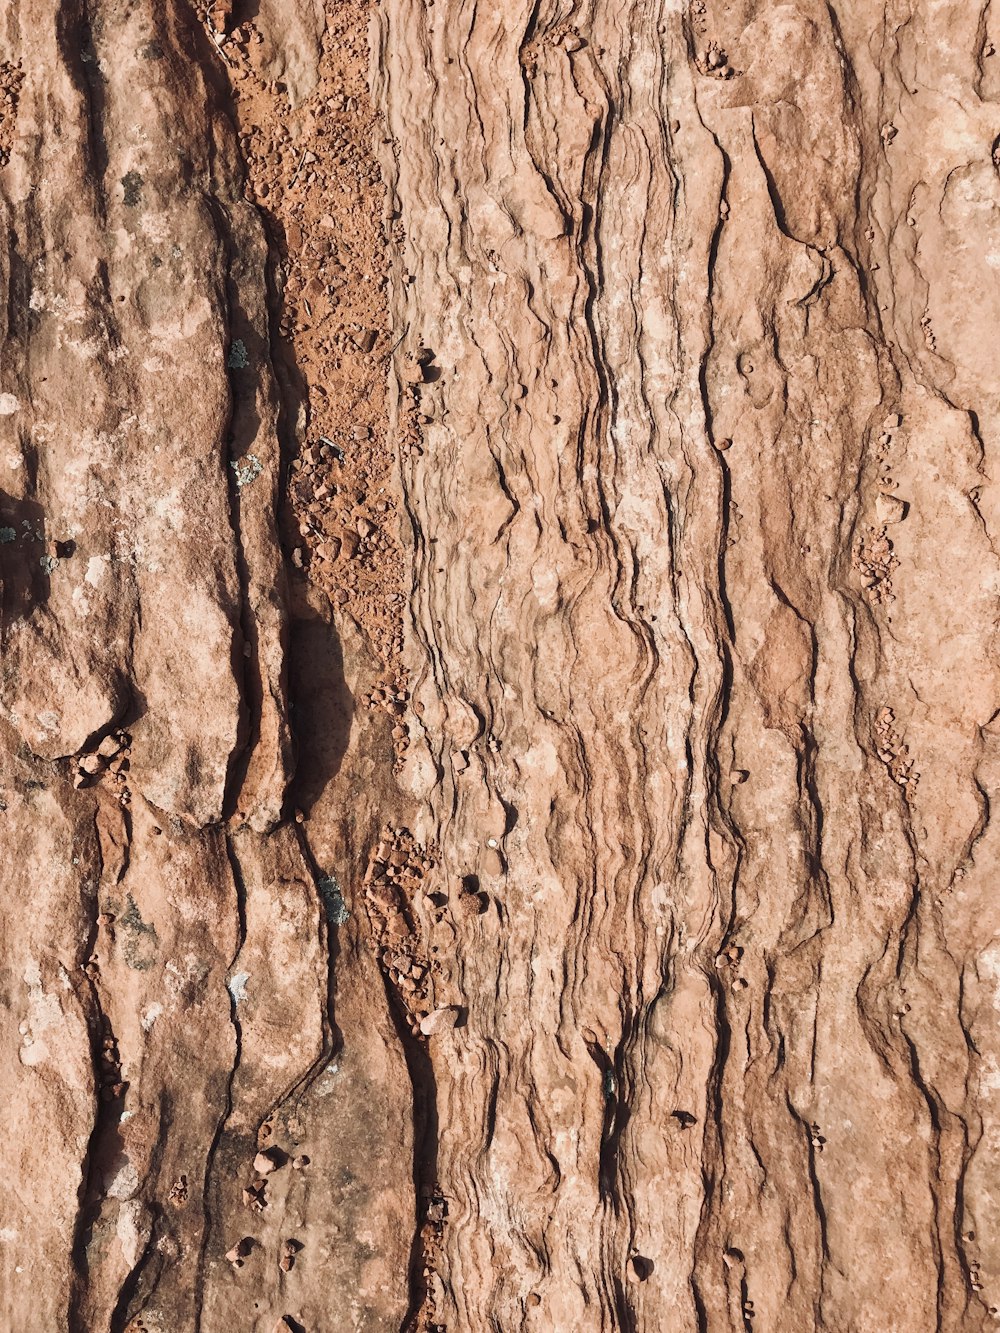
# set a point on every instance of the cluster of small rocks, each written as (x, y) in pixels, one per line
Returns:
(393, 698)
(711, 59)
(241, 1251)
(889, 508)
(109, 1062)
(343, 540)
(890, 748)
(927, 329)
(111, 758)
(312, 173)
(397, 873)
(714, 62)
(729, 960)
(11, 78)
(266, 1162)
(435, 1217)
(254, 1194)
(560, 37)
(874, 557)
(876, 562)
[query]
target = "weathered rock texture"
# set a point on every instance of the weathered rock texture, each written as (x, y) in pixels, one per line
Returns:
(498, 734)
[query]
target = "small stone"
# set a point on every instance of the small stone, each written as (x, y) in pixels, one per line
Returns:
(723, 444)
(254, 1198)
(109, 747)
(890, 508)
(300, 1163)
(266, 1161)
(91, 764)
(240, 1251)
(439, 1020)
(892, 421)
(738, 776)
(286, 1263)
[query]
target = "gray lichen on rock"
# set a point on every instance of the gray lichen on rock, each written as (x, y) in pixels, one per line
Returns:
(247, 469)
(332, 895)
(238, 358)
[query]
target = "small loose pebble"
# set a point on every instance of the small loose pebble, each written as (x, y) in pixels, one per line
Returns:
(240, 1251)
(266, 1161)
(890, 508)
(439, 1020)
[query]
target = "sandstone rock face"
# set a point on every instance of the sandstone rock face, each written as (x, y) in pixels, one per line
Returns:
(499, 564)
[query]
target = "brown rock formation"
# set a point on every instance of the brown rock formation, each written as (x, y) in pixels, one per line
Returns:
(498, 714)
